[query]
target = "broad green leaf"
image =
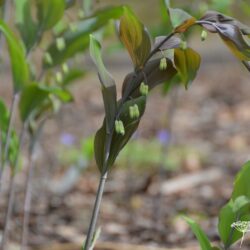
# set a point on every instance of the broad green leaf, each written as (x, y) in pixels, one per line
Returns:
(20, 70)
(32, 97)
(187, 63)
(13, 150)
(180, 19)
(77, 40)
(108, 83)
(49, 12)
(4, 117)
(238, 208)
(154, 76)
(234, 210)
(242, 183)
(200, 235)
(130, 125)
(62, 94)
(25, 23)
(134, 37)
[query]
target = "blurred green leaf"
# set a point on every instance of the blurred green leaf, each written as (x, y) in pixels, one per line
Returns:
(134, 37)
(242, 183)
(108, 83)
(200, 235)
(62, 94)
(31, 98)
(238, 208)
(49, 12)
(4, 117)
(234, 210)
(187, 62)
(20, 70)
(71, 76)
(25, 23)
(77, 40)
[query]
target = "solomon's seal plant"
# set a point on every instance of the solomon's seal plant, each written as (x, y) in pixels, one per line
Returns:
(168, 57)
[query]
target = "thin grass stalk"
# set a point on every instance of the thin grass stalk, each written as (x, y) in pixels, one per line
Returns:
(27, 201)
(13, 106)
(11, 194)
(28, 193)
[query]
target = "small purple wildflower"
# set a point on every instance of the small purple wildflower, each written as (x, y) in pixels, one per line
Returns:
(163, 136)
(67, 139)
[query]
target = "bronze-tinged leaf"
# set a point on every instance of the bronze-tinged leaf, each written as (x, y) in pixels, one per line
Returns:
(185, 25)
(217, 17)
(235, 41)
(135, 37)
(172, 43)
(187, 63)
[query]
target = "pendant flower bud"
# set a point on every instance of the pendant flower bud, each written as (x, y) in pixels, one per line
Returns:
(183, 45)
(48, 59)
(60, 43)
(203, 35)
(163, 64)
(134, 112)
(65, 68)
(144, 89)
(119, 127)
(59, 77)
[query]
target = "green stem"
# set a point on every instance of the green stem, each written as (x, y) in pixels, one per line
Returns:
(12, 191)
(14, 101)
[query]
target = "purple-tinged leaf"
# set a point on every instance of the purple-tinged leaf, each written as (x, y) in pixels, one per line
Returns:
(172, 43)
(153, 74)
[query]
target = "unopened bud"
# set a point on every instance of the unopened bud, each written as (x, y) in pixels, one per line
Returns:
(144, 89)
(48, 59)
(163, 63)
(65, 68)
(131, 112)
(183, 45)
(119, 127)
(136, 111)
(59, 77)
(203, 35)
(60, 43)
